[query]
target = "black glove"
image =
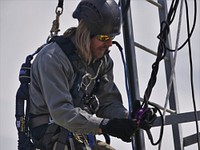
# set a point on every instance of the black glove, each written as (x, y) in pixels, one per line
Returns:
(144, 117)
(148, 119)
(120, 128)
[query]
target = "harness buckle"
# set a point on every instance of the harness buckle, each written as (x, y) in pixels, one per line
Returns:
(91, 103)
(83, 139)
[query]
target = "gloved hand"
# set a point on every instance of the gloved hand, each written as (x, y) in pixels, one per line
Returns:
(120, 128)
(148, 118)
(144, 117)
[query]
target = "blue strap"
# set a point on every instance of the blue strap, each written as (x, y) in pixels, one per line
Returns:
(91, 140)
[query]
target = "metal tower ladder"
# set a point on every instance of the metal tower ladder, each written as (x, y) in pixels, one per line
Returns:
(175, 119)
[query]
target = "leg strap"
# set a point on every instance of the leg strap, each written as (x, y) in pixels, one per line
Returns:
(48, 136)
(62, 139)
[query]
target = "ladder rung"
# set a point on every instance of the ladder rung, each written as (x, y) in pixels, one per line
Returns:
(154, 3)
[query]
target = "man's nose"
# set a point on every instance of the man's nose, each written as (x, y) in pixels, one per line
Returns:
(109, 42)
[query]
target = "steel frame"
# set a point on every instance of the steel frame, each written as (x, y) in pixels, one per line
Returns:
(174, 119)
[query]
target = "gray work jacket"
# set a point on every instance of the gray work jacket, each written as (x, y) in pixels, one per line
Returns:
(52, 77)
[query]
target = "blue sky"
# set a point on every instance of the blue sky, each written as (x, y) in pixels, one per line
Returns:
(25, 25)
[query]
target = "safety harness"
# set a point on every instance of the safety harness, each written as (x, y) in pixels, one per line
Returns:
(23, 120)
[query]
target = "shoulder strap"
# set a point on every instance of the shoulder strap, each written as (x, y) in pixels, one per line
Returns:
(67, 47)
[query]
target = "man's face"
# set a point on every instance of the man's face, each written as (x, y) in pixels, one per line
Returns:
(99, 47)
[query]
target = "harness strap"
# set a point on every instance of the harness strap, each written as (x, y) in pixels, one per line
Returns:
(63, 138)
(91, 140)
(39, 120)
(71, 141)
(61, 142)
(67, 47)
(60, 3)
(46, 140)
(49, 134)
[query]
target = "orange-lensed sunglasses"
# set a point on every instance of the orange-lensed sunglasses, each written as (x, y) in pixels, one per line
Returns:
(104, 38)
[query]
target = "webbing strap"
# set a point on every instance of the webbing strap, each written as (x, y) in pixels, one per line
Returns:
(39, 120)
(61, 142)
(46, 140)
(60, 3)
(67, 47)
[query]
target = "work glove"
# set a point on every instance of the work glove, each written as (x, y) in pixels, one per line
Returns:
(148, 119)
(120, 128)
(144, 117)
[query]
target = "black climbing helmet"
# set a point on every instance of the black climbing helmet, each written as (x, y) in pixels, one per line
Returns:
(101, 16)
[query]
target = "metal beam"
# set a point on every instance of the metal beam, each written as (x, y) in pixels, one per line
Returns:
(177, 118)
(173, 98)
(192, 139)
(129, 45)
